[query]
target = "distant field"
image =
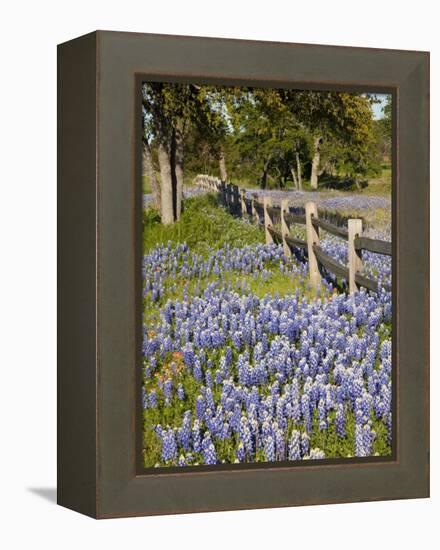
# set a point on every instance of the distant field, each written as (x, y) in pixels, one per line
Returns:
(376, 186)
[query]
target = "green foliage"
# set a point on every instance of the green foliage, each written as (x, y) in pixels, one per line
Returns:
(387, 118)
(383, 132)
(266, 135)
(167, 106)
(345, 123)
(203, 224)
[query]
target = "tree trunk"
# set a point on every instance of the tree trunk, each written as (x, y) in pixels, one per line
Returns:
(178, 158)
(148, 170)
(315, 163)
(222, 166)
(166, 206)
(279, 177)
(263, 179)
(298, 169)
(295, 181)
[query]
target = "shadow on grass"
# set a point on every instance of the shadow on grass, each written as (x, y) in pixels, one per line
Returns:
(341, 184)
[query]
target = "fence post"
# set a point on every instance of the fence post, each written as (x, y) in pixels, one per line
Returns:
(312, 239)
(243, 203)
(267, 201)
(223, 193)
(255, 216)
(229, 197)
(236, 209)
(285, 227)
(354, 256)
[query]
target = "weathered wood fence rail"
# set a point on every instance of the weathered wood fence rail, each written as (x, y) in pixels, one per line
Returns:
(264, 214)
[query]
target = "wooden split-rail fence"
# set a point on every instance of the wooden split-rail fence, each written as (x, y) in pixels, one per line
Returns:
(264, 214)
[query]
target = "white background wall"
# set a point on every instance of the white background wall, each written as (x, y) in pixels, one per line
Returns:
(29, 34)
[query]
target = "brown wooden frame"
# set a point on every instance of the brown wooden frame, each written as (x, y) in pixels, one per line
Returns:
(99, 228)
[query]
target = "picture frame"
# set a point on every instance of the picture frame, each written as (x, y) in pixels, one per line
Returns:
(99, 255)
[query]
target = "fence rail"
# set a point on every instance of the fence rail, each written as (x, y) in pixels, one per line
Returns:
(274, 211)
(295, 218)
(330, 263)
(330, 228)
(373, 245)
(293, 242)
(235, 199)
(364, 281)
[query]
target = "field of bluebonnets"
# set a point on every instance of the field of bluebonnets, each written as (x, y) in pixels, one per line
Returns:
(242, 360)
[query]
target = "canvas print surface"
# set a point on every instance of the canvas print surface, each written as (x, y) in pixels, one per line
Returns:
(266, 275)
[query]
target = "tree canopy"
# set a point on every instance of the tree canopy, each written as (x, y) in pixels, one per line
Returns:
(270, 137)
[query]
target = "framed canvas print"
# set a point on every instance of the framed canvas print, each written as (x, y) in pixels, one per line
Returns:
(243, 274)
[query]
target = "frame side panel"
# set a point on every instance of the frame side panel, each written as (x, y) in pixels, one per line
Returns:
(77, 241)
(412, 302)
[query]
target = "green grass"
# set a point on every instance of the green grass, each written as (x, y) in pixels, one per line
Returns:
(272, 283)
(380, 185)
(203, 224)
